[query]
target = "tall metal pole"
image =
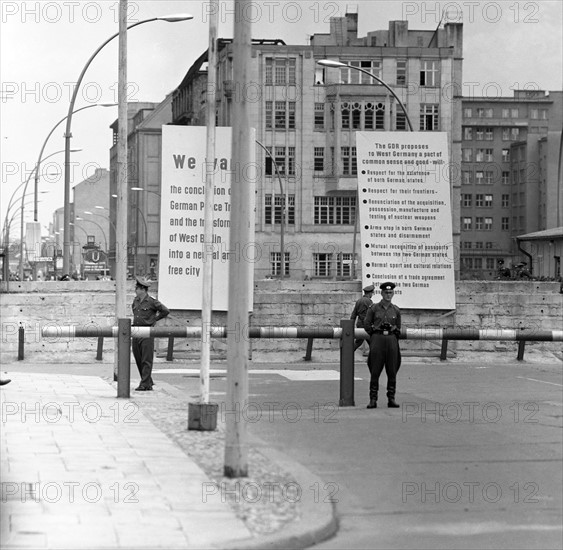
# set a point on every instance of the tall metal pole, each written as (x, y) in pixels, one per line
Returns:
(207, 298)
(123, 385)
(236, 446)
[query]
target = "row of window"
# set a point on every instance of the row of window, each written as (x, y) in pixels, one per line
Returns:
(324, 265)
(484, 177)
(477, 263)
(482, 155)
(482, 200)
(360, 115)
(509, 133)
(478, 245)
(482, 223)
(334, 210)
(505, 112)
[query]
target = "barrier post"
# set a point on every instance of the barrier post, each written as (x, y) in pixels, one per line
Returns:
(347, 363)
(100, 348)
(521, 348)
(21, 342)
(444, 350)
(170, 350)
(309, 350)
(123, 357)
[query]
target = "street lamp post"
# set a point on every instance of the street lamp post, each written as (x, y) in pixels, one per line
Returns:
(68, 134)
(338, 65)
(283, 212)
(35, 169)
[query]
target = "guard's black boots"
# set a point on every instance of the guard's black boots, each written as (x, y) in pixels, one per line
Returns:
(372, 404)
(392, 404)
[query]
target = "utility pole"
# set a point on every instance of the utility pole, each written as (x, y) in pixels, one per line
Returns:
(236, 446)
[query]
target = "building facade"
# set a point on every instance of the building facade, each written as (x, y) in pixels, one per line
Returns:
(509, 176)
(306, 116)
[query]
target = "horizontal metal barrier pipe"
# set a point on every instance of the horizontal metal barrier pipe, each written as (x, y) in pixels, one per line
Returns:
(298, 332)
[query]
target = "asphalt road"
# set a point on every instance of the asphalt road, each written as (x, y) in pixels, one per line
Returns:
(471, 460)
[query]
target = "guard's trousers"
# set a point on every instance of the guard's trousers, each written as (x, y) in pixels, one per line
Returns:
(143, 352)
(383, 352)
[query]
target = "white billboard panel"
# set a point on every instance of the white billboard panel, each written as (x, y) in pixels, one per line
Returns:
(182, 248)
(405, 216)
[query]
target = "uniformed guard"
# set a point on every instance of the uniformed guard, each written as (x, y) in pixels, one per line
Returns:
(146, 312)
(383, 324)
(359, 313)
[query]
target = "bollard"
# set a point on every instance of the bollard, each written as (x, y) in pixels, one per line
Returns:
(347, 363)
(444, 350)
(100, 349)
(309, 350)
(521, 348)
(170, 350)
(123, 357)
(21, 342)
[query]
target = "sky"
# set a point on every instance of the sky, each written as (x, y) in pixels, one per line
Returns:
(45, 44)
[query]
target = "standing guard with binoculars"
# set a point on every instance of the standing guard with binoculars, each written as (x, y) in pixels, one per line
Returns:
(383, 324)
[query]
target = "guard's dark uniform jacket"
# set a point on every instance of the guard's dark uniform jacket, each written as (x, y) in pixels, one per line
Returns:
(146, 313)
(383, 324)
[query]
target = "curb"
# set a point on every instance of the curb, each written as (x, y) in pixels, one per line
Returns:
(319, 520)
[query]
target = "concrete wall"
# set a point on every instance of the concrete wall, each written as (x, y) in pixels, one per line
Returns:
(290, 303)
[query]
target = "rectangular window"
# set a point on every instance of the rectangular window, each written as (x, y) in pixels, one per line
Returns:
(514, 113)
(349, 161)
(344, 264)
(534, 114)
(468, 133)
(478, 263)
(489, 177)
(488, 224)
(505, 201)
(479, 177)
(466, 199)
(273, 213)
(353, 76)
(505, 113)
(480, 112)
(468, 263)
(488, 201)
(467, 112)
(489, 245)
(506, 134)
(275, 263)
(480, 155)
(429, 73)
(506, 155)
(489, 134)
(466, 224)
(269, 116)
(319, 116)
(478, 223)
(280, 115)
(467, 155)
(488, 155)
(269, 71)
(429, 118)
(504, 224)
(322, 264)
(466, 244)
(400, 120)
(490, 263)
(319, 159)
(285, 161)
(489, 113)
(479, 131)
(514, 134)
(401, 72)
(505, 178)
(335, 210)
(479, 200)
(479, 244)
(466, 177)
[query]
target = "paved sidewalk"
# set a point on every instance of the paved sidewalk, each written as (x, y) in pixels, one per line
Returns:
(83, 469)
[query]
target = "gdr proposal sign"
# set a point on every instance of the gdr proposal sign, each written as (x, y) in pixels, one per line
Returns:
(182, 248)
(405, 216)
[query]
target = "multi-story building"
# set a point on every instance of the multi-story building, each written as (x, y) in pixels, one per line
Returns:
(91, 223)
(508, 176)
(143, 184)
(306, 116)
